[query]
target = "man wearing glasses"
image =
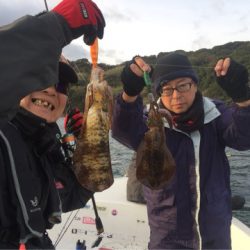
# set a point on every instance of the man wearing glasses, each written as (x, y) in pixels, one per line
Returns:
(193, 210)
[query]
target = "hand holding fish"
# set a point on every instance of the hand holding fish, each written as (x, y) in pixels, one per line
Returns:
(138, 66)
(132, 78)
(233, 79)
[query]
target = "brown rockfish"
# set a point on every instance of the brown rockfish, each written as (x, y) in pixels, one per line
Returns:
(91, 159)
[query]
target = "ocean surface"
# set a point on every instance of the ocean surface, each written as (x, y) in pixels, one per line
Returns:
(240, 172)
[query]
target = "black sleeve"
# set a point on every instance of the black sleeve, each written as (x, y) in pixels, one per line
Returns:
(30, 48)
(2, 172)
(72, 194)
(6, 188)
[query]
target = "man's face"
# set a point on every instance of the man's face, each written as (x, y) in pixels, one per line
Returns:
(182, 98)
(47, 104)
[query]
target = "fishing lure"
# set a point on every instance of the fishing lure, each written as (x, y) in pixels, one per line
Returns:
(94, 52)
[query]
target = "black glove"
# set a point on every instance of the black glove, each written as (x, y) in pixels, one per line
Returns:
(235, 82)
(132, 84)
(73, 122)
(83, 17)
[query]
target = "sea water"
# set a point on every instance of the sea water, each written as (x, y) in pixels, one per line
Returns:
(240, 180)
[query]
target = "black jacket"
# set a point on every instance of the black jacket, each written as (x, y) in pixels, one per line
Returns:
(29, 200)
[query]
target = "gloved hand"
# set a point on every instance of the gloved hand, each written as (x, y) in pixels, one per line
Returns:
(83, 18)
(73, 122)
(235, 82)
(133, 84)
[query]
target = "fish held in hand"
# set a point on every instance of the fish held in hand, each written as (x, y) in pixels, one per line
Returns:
(154, 163)
(92, 160)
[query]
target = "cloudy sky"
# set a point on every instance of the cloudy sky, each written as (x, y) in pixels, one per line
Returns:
(147, 27)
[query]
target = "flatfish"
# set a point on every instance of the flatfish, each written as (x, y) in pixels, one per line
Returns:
(154, 163)
(91, 159)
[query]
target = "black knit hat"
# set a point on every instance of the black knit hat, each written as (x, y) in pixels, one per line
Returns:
(170, 67)
(66, 75)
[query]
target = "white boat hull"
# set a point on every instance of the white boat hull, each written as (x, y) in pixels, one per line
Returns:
(125, 224)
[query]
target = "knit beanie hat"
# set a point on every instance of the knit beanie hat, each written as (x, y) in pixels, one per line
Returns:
(170, 67)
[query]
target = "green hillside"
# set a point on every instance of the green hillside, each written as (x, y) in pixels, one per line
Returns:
(203, 61)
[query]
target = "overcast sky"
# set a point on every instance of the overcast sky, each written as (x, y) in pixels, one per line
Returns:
(147, 27)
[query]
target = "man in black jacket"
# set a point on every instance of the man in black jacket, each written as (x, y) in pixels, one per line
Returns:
(34, 169)
(36, 180)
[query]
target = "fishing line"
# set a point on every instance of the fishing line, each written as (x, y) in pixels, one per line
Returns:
(59, 236)
(182, 66)
(99, 225)
(66, 229)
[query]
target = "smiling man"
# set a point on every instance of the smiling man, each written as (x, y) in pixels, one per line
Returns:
(50, 103)
(34, 168)
(36, 180)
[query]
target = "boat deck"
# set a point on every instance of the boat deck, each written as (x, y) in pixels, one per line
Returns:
(125, 224)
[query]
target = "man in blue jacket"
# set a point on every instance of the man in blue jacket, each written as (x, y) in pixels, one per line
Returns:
(192, 211)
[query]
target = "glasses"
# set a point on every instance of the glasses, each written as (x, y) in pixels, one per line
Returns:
(181, 88)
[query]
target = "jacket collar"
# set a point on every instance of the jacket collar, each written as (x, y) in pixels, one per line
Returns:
(210, 111)
(28, 123)
(44, 136)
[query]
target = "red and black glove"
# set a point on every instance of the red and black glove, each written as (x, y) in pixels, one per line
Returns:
(73, 122)
(83, 18)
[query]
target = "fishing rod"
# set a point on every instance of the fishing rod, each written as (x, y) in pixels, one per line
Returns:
(69, 106)
(46, 5)
(98, 224)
